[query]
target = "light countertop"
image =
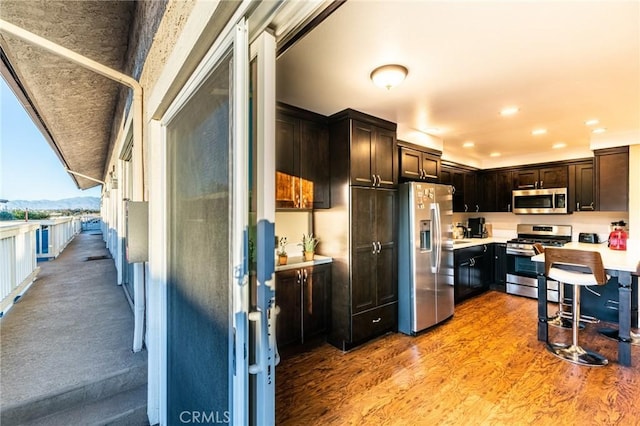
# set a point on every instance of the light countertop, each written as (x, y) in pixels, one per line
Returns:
(296, 262)
(470, 242)
(619, 260)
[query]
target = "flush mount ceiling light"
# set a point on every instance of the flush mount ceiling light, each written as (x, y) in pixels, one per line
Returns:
(495, 154)
(389, 76)
(537, 132)
(468, 144)
(591, 122)
(558, 145)
(599, 130)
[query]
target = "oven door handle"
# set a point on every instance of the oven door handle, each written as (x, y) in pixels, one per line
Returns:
(520, 252)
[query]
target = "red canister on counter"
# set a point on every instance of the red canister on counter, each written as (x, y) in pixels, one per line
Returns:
(618, 236)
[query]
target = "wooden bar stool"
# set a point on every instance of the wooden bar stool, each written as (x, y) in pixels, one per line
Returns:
(562, 318)
(577, 268)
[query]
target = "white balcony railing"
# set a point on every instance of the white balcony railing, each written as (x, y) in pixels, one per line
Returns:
(18, 265)
(54, 235)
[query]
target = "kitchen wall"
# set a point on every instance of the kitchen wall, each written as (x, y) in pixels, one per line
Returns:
(292, 224)
(504, 224)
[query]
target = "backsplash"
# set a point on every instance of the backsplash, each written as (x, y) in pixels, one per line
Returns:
(504, 225)
(292, 224)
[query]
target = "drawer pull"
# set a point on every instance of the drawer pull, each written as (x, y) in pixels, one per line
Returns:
(376, 320)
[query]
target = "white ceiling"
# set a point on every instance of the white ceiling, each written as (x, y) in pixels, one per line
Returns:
(560, 62)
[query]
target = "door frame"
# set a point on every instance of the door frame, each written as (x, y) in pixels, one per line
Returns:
(235, 33)
(260, 16)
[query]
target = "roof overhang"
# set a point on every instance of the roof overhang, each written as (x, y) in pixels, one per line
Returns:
(72, 107)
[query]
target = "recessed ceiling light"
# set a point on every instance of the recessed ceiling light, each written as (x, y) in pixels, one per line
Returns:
(558, 145)
(495, 154)
(468, 144)
(599, 130)
(591, 122)
(509, 110)
(537, 132)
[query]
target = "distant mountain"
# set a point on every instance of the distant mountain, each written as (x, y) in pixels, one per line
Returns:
(85, 203)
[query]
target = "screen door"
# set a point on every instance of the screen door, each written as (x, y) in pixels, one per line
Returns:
(207, 221)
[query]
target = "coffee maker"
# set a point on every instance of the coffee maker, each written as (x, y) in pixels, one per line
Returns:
(477, 227)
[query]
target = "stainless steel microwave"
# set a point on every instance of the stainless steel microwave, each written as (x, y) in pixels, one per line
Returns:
(540, 201)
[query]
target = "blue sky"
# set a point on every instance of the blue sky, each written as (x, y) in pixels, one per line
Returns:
(29, 169)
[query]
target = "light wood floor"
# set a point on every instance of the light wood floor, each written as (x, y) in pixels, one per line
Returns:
(482, 367)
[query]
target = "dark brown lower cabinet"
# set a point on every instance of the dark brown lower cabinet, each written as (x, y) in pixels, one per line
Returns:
(473, 272)
(303, 296)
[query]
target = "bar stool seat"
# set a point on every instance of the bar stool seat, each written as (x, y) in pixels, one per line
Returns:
(577, 268)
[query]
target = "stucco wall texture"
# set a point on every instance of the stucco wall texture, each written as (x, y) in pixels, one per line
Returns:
(76, 105)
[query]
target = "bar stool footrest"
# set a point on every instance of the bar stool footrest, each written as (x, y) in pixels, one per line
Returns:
(561, 321)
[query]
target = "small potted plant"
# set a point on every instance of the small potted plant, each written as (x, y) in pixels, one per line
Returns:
(282, 251)
(309, 243)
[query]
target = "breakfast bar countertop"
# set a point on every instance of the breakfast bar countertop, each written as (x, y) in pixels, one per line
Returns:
(617, 260)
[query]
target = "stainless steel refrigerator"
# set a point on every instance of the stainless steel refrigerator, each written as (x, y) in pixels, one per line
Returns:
(425, 266)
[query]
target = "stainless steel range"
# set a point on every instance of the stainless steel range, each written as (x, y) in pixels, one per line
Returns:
(521, 270)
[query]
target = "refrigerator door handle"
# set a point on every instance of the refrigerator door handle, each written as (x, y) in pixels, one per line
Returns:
(437, 236)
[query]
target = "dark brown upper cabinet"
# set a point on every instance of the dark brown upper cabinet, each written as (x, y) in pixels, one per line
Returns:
(582, 186)
(418, 163)
(504, 185)
(538, 178)
(487, 184)
(494, 190)
(373, 149)
(302, 159)
(465, 188)
(612, 178)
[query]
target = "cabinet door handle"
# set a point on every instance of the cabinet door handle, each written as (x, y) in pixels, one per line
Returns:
(376, 320)
(299, 276)
(541, 184)
(379, 247)
(466, 208)
(477, 208)
(577, 206)
(453, 189)
(379, 180)
(304, 272)
(374, 247)
(373, 178)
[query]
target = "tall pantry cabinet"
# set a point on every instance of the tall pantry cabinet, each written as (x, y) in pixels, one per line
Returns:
(360, 229)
